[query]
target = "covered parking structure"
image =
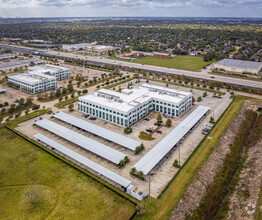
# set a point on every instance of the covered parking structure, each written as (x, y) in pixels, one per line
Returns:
(86, 143)
(84, 161)
(99, 131)
(156, 154)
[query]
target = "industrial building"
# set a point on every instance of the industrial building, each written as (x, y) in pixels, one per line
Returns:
(8, 66)
(71, 47)
(131, 105)
(39, 78)
(238, 66)
(7, 56)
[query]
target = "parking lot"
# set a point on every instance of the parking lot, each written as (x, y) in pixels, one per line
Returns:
(164, 171)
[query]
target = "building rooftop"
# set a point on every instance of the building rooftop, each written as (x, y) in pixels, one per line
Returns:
(240, 63)
(20, 62)
(52, 69)
(128, 99)
(32, 77)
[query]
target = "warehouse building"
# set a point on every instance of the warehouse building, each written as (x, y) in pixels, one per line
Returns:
(32, 82)
(131, 105)
(238, 66)
(8, 66)
(52, 70)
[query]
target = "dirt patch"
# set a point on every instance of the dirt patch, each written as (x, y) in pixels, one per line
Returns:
(197, 188)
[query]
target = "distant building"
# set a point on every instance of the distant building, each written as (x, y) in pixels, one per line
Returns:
(39, 78)
(72, 47)
(8, 66)
(238, 66)
(7, 56)
(162, 55)
(129, 106)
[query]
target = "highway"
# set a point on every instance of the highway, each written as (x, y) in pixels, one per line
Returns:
(101, 60)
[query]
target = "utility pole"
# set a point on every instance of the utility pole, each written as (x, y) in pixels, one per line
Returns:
(149, 191)
(179, 154)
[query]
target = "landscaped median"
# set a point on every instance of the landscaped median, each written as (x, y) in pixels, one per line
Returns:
(66, 102)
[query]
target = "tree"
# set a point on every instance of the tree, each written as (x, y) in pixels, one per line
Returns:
(72, 95)
(27, 111)
(159, 118)
(70, 87)
(168, 122)
(60, 99)
(64, 91)
(71, 107)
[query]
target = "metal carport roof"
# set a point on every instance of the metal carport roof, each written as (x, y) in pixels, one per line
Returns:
(153, 157)
(85, 161)
(99, 131)
(82, 141)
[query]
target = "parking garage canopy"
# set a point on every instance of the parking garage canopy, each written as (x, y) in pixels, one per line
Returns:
(82, 141)
(99, 131)
(153, 157)
(85, 161)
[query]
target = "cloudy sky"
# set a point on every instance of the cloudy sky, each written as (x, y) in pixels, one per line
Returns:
(95, 8)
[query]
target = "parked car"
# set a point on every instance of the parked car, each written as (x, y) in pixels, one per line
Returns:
(86, 116)
(203, 132)
(148, 130)
(159, 132)
(157, 124)
(146, 119)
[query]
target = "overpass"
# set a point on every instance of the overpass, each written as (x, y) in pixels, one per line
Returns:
(148, 68)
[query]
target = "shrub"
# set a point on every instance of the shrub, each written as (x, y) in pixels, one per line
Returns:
(128, 130)
(168, 122)
(175, 164)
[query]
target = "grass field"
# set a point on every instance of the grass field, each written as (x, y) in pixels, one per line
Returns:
(162, 208)
(35, 185)
(178, 62)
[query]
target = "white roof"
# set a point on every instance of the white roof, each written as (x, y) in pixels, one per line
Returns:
(139, 95)
(85, 161)
(2, 90)
(153, 157)
(32, 77)
(99, 131)
(20, 62)
(82, 141)
(240, 64)
(52, 69)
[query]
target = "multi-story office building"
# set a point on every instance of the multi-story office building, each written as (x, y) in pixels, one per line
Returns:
(32, 82)
(52, 70)
(131, 105)
(39, 78)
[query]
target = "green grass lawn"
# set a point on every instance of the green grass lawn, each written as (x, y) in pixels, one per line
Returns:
(36, 185)
(191, 63)
(162, 208)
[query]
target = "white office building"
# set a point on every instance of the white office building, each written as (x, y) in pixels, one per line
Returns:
(39, 78)
(52, 70)
(32, 82)
(131, 105)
